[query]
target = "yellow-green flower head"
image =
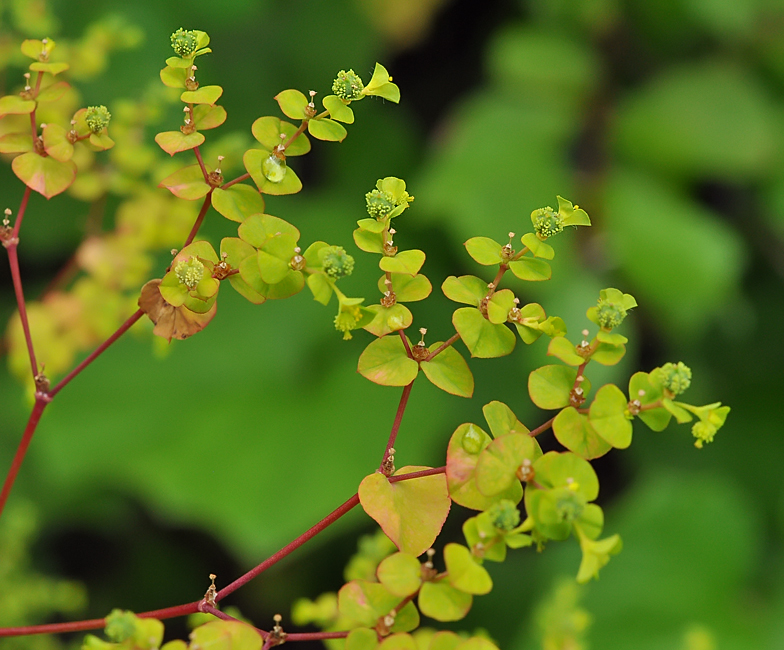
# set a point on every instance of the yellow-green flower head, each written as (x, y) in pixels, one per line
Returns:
(189, 272)
(185, 42)
(389, 198)
(348, 85)
(569, 504)
(120, 625)
(612, 308)
(546, 222)
(97, 118)
(676, 378)
(379, 204)
(504, 515)
(703, 432)
(348, 319)
(336, 262)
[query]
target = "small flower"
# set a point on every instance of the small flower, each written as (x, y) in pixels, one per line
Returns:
(612, 308)
(185, 42)
(389, 199)
(504, 515)
(97, 118)
(348, 85)
(336, 262)
(189, 272)
(546, 222)
(347, 319)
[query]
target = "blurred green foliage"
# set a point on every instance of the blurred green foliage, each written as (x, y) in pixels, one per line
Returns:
(663, 119)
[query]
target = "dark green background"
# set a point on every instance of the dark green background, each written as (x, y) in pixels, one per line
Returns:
(664, 120)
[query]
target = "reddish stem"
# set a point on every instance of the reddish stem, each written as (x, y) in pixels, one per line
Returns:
(317, 636)
(120, 331)
(443, 346)
(239, 179)
(291, 546)
(424, 472)
(405, 344)
(541, 428)
(201, 162)
(401, 408)
(16, 277)
(40, 404)
(199, 219)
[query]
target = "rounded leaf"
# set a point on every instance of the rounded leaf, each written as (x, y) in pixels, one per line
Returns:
(465, 573)
(573, 430)
(607, 416)
(253, 159)
(533, 270)
(187, 183)
(550, 386)
(483, 338)
(202, 95)
(400, 573)
(467, 289)
(326, 129)
(268, 130)
(173, 142)
(207, 117)
(412, 512)
(404, 262)
(237, 202)
(45, 175)
(338, 110)
(484, 250)
(496, 468)
(293, 104)
(449, 371)
(407, 288)
(442, 602)
(386, 362)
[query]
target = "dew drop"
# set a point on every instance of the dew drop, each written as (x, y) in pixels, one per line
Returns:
(273, 168)
(472, 440)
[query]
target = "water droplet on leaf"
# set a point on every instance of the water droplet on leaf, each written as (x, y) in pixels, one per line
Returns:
(273, 168)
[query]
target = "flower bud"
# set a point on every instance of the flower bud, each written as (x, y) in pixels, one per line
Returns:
(336, 262)
(347, 85)
(676, 378)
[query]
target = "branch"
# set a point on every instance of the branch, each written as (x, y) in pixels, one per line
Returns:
(386, 466)
(443, 346)
(40, 404)
(204, 207)
(120, 331)
(291, 546)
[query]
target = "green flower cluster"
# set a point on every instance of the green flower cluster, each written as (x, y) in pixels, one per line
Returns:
(184, 42)
(546, 222)
(189, 272)
(336, 262)
(348, 85)
(504, 515)
(675, 378)
(97, 118)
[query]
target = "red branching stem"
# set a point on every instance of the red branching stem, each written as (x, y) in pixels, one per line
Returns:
(201, 606)
(201, 163)
(16, 277)
(53, 628)
(21, 212)
(40, 404)
(317, 636)
(199, 219)
(541, 428)
(401, 408)
(291, 546)
(443, 346)
(120, 331)
(424, 472)
(296, 134)
(405, 343)
(239, 179)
